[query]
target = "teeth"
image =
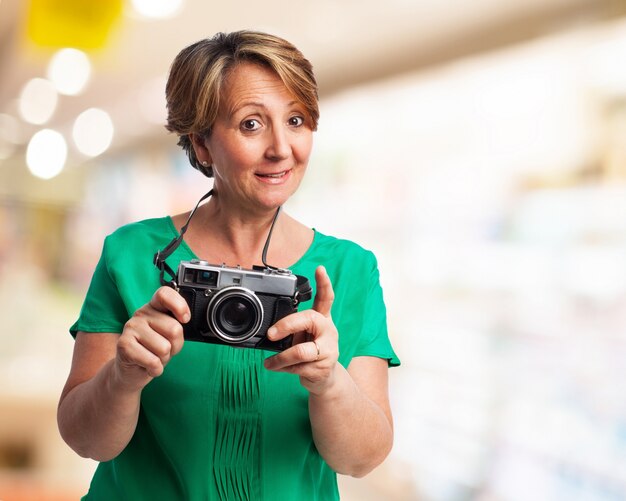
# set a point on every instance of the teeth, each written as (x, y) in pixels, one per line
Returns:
(281, 174)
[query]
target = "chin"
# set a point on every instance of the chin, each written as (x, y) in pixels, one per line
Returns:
(272, 203)
(278, 197)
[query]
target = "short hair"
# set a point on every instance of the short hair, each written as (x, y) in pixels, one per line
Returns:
(194, 86)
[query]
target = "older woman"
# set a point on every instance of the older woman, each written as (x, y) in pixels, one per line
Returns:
(175, 419)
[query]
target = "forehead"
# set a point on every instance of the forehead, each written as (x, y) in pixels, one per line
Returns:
(250, 82)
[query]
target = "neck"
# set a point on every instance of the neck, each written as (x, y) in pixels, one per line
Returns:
(235, 237)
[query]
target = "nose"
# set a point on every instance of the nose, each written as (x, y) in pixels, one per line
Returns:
(278, 147)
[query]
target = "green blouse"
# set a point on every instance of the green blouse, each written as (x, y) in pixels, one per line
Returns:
(216, 425)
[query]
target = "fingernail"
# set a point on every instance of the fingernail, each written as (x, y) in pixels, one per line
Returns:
(271, 332)
(186, 318)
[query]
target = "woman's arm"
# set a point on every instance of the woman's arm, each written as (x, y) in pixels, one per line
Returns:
(351, 420)
(349, 409)
(96, 417)
(99, 405)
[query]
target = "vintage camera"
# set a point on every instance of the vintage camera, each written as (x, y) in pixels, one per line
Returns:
(236, 306)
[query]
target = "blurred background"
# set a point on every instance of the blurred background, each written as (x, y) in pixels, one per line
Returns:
(477, 147)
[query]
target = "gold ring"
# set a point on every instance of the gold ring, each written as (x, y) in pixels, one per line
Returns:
(318, 351)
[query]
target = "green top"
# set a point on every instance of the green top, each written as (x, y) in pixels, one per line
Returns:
(217, 425)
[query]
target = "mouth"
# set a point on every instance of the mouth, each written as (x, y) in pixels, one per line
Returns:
(273, 175)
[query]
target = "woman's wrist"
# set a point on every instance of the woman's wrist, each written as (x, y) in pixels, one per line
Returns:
(120, 384)
(334, 387)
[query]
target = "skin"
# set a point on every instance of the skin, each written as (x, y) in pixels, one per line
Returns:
(261, 130)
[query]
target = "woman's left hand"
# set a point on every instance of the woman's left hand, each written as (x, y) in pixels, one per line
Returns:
(315, 349)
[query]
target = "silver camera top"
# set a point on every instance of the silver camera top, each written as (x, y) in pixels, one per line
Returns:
(200, 274)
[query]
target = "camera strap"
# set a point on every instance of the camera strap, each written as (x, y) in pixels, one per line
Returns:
(162, 255)
(303, 288)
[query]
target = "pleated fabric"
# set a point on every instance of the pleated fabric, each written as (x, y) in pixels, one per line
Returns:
(238, 427)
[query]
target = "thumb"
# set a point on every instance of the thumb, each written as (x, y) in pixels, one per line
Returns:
(324, 296)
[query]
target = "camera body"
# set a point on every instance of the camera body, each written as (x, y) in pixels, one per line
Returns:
(236, 306)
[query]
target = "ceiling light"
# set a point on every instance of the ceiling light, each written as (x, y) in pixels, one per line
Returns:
(69, 70)
(38, 100)
(157, 9)
(93, 132)
(46, 154)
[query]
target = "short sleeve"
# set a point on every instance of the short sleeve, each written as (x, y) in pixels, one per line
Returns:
(374, 338)
(103, 309)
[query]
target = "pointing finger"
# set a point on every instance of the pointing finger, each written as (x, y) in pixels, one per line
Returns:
(324, 295)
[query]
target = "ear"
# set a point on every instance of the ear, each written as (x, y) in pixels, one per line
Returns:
(200, 148)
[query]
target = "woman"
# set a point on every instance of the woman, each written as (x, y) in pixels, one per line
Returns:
(170, 419)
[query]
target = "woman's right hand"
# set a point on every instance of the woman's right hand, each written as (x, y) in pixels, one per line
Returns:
(99, 406)
(151, 337)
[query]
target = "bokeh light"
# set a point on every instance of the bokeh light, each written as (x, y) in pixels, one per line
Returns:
(46, 154)
(38, 101)
(69, 70)
(157, 9)
(93, 132)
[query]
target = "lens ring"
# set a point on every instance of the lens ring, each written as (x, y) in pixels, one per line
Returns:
(215, 314)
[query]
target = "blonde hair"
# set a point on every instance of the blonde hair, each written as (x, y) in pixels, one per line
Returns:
(194, 86)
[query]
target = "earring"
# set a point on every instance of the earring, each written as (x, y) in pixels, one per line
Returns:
(205, 163)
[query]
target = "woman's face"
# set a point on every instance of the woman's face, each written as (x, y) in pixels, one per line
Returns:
(261, 141)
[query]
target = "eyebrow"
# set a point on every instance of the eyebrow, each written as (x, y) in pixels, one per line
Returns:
(232, 110)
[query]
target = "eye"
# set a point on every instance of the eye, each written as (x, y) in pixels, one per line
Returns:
(250, 124)
(296, 121)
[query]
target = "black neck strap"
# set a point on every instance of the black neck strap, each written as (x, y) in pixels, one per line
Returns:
(162, 255)
(267, 241)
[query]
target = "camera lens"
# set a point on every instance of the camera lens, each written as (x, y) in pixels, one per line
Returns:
(235, 314)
